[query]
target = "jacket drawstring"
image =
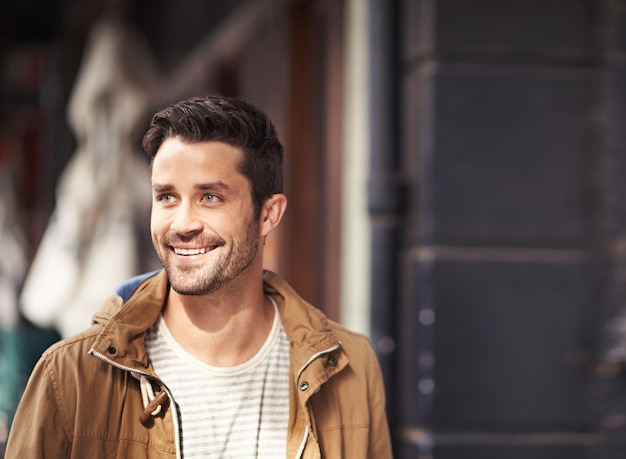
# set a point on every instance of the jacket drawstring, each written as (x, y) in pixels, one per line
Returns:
(152, 403)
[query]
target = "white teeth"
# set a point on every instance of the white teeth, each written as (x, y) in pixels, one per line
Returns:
(189, 251)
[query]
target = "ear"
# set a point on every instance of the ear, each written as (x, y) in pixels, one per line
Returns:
(272, 212)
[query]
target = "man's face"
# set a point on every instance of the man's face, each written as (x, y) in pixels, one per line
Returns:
(202, 225)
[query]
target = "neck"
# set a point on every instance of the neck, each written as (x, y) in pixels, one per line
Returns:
(225, 328)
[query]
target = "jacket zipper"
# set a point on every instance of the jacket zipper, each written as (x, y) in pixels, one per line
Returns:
(172, 404)
(303, 443)
(304, 367)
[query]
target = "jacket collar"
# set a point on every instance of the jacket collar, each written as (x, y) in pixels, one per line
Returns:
(122, 338)
(308, 329)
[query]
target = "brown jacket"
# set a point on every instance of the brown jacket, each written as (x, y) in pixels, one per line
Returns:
(83, 399)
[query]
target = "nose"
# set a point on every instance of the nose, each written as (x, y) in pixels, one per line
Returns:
(186, 221)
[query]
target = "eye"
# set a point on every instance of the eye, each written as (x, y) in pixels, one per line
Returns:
(165, 198)
(211, 198)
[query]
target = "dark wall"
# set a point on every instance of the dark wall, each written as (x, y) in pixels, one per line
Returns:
(506, 248)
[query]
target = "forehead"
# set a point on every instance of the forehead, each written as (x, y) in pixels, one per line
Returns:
(176, 157)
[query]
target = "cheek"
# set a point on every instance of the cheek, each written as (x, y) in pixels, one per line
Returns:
(157, 221)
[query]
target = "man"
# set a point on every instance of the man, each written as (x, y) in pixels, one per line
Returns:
(212, 356)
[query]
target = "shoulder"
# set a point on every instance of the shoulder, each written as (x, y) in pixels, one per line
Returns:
(71, 352)
(53, 383)
(357, 346)
(347, 336)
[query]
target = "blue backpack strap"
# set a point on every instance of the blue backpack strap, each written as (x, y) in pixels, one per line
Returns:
(127, 288)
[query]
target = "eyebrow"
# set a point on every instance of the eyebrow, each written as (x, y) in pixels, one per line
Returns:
(211, 186)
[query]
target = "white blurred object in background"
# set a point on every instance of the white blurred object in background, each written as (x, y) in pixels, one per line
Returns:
(104, 195)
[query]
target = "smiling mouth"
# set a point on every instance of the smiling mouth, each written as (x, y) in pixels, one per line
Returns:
(198, 251)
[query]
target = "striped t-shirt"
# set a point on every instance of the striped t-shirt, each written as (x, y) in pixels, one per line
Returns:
(227, 412)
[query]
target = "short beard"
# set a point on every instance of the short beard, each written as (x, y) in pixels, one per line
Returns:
(224, 271)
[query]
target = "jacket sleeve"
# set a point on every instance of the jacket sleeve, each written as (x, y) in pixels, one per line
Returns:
(380, 439)
(38, 430)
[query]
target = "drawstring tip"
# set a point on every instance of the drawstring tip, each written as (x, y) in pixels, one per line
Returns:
(153, 408)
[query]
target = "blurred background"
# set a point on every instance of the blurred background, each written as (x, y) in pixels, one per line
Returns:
(456, 172)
